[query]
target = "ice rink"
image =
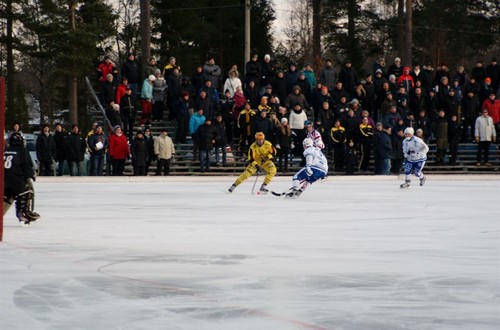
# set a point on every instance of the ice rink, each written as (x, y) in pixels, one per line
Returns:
(352, 253)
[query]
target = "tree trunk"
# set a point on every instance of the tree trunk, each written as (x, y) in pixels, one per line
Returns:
(246, 55)
(145, 34)
(353, 52)
(316, 7)
(73, 86)
(10, 62)
(400, 28)
(408, 39)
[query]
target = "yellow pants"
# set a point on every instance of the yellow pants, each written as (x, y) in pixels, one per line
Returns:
(268, 166)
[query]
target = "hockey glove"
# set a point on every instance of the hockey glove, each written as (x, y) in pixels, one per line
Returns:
(309, 172)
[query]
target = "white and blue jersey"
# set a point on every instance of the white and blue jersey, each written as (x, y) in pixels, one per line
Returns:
(317, 139)
(415, 152)
(316, 167)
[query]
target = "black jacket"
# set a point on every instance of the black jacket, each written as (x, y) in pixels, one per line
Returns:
(139, 151)
(60, 140)
(280, 89)
(382, 145)
(18, 168)
(130, 70)
(205, 134)
(45, 148)
(221, 133)
(75, 147)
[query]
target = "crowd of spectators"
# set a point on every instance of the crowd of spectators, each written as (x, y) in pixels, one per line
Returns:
(359, 118)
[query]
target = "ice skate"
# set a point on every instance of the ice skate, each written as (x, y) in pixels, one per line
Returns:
(406, 184)
(263, 190)
(294, 193)
(231, 189)
(33, 215)
(23, 218)
(422, 180)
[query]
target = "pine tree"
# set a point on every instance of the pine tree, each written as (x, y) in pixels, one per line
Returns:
(192, 29)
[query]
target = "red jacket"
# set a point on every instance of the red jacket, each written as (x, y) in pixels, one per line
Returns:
(120, 91)
(118, 147)
(493, 109)
(105, 68)
(406, 80)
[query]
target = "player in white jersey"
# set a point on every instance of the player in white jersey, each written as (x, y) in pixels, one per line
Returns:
(314, 135)
(415, 152)
(316, 169)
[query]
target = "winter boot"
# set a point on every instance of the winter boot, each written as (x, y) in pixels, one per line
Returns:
(406, 184)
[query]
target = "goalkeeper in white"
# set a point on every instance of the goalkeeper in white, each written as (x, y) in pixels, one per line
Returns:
(415, 152)
(316, 169)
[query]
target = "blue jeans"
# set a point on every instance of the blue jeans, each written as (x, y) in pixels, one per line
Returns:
(386, 166)
(134, 88)
(222, 149)
(75, 168)
(97, 164)
(60, 167)
(204, 160)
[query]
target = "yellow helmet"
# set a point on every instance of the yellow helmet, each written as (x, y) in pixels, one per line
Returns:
(259, 136)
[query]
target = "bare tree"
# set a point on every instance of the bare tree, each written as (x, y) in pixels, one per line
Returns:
(299, 31)
(128, 12)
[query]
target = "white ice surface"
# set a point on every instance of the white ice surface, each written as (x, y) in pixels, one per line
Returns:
(350, 254)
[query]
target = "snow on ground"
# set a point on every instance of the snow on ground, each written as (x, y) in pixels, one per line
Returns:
(180, 253)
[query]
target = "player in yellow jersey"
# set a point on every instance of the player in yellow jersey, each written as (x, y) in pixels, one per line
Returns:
(260, 156)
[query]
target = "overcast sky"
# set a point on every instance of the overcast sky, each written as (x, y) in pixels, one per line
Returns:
(282, 10)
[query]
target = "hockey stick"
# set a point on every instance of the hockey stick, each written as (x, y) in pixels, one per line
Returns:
(279, 194)
(255, 182)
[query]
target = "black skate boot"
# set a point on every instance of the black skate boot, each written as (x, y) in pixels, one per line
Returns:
(23, 218)
(231, 189)
(406, 184)
(33, 215)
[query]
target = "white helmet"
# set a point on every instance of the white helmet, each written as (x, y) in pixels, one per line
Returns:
(308, 142)
(410, 130)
